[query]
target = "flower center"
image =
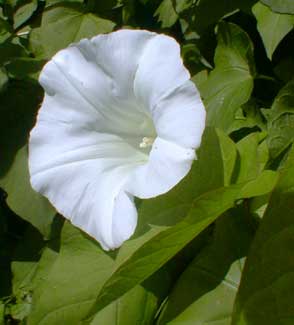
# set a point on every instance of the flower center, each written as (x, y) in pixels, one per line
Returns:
(146, 142)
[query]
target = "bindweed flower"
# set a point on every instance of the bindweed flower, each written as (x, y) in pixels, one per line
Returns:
(120, 118)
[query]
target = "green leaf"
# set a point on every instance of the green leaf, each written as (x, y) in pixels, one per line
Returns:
(266, 292)
(156, 252)
(103, 8)
(182, 5)
(5, 252)
(63, 25)
(138, 306)
(230, 84)
(200, 78)
(24, 12)
(54, 2)
(22, 199)
(20, 104)
(280, 6)
(166, 14)
(25, 259)
(3, 79)
(206, 290)
(207, 12)
(67, 295)
(24, 68)
(10, 50)
(252, 157)
(248, 116)
(5, 30)
(77, 274)
(2, 313)
(280, 120)
(284, 69)
(273, 27)
(20, 310)
(48, 258)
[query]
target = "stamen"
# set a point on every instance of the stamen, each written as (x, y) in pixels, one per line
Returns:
(146, 142)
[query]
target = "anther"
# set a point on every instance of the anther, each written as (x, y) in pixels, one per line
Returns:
(146, 142)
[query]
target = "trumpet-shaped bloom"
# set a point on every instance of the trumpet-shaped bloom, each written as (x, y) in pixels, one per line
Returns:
(120, 118)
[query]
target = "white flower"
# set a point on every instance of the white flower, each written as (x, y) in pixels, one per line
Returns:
(120, 118)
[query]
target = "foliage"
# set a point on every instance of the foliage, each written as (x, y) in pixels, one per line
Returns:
(188, 256)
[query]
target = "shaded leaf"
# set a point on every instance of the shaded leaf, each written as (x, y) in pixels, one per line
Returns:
(24, 68)
(10, 50)
(19, 105)
(248, 117)
(25, 259)
(266, 292)
(2, 313)
(5, 30)
(3, 79)
(280, 120)
(284, 69)
(206, 290)
(207, 12)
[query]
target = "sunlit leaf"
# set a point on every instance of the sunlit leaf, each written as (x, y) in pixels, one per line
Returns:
(252, 157)
(83, 263)
(24, 12)
(272, 26)
(166, 13)
(63, 25)
(280, 6)
(230, 84)
(22, 199)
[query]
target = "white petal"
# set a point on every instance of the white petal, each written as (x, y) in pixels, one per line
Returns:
(81, 92)
(105, 212)
(168, 163)
(118, 54)
(82, 173)
(160, 70)
(180, 116)
(124, 218)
